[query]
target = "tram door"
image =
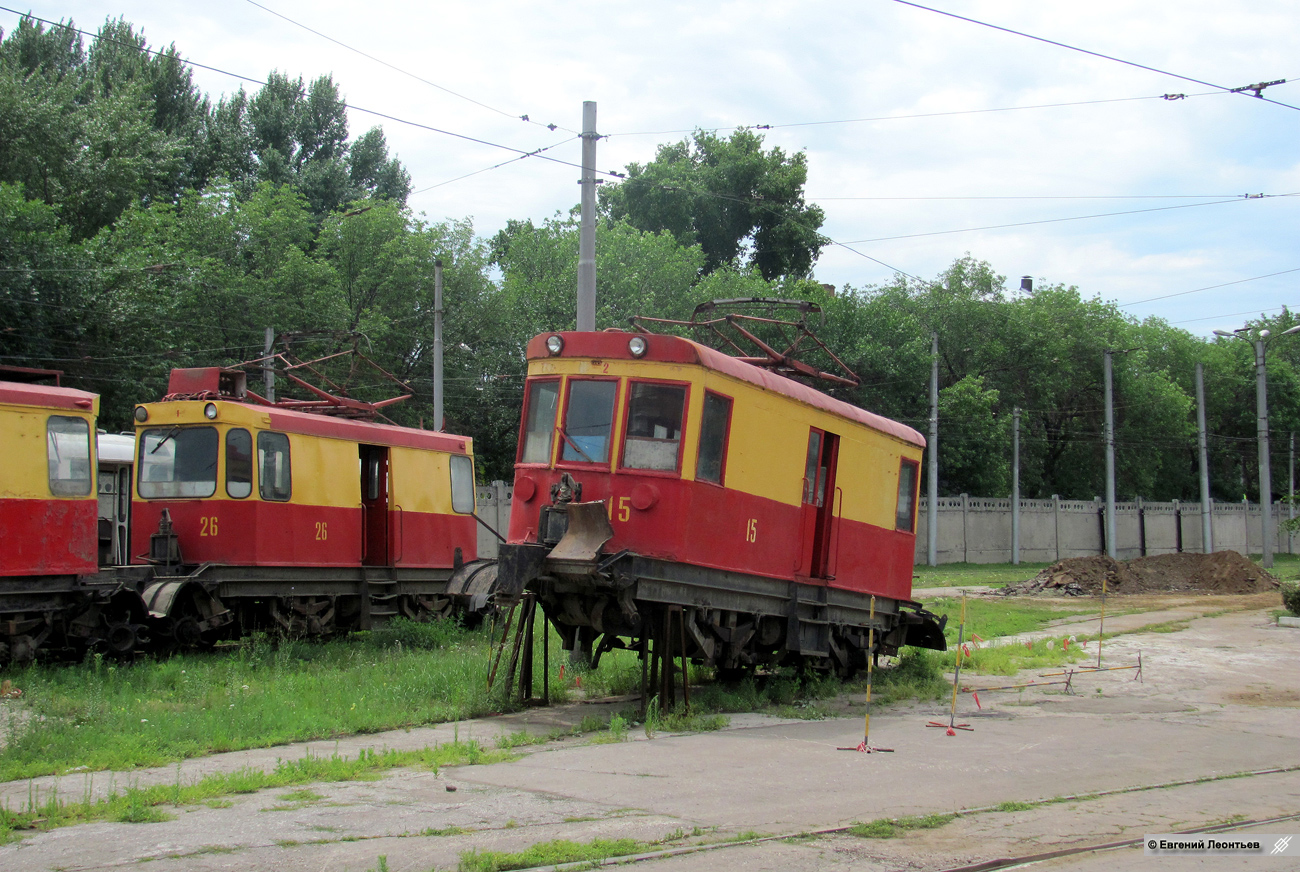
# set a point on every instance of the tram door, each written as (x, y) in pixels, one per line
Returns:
(374, 505)
(818, 503)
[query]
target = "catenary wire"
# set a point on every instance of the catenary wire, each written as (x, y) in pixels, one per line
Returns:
(1258, 92)
(398, 69)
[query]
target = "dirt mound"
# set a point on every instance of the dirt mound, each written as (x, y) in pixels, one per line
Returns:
(1225, 572)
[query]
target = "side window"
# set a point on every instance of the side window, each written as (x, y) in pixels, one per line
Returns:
(588, 418)
(462, 484)
(908, 473)
(654, 426)
(714, 429)
(67, 445)
(239, 463)
(539, 422)
(273, 470)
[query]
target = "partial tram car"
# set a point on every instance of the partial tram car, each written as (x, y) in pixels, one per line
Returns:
(655, 473)
(58, 520)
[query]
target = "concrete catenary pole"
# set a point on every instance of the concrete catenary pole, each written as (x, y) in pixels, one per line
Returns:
(1111, 550)
(1015, 486)
(268, 369)
(1265, 477)
(1290, 497)
(932, 476)
(437, 345)
(587, 230)
(1207, 507)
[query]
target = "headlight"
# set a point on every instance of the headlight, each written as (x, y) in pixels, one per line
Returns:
(141, 414)
(637, 345)
(210, 411)
(554, 344)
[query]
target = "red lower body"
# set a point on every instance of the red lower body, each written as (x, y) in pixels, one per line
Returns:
(711, 526)
(256, 533)
(49, 537)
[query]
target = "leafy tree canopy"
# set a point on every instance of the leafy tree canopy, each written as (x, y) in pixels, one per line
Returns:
(742, 205)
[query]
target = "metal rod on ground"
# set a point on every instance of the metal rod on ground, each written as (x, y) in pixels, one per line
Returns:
(952, 724)
(1101, 629)
(865, 747)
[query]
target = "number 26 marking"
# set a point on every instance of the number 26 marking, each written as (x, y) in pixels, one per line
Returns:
(322, 533)
(751, 530)
(207, 525)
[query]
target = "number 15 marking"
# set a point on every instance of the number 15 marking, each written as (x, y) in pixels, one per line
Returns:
(751, 530)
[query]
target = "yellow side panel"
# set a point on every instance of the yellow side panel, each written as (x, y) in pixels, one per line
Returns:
(23, 451)
(420, 480)
(326, 472)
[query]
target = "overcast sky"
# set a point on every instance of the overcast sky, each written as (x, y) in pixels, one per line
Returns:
(813, 70)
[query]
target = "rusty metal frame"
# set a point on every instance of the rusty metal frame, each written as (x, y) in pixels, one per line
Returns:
(785, 362)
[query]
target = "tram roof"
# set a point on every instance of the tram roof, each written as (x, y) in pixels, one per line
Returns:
(45, 396)
(612, 345)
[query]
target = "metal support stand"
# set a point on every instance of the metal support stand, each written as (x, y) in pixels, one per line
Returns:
(660, 649)
(521, 654)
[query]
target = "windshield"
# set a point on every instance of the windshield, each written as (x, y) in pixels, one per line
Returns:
(178, 462)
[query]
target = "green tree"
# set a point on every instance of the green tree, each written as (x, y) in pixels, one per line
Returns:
(742, 205)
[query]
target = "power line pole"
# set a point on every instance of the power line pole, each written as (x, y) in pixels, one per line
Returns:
(1265, 476)
(1015, 486)
(932, 485)
(268, 368)
(1111, 550)
(587, 231)
(1207, 507)
(437, 344)
(1290, 498)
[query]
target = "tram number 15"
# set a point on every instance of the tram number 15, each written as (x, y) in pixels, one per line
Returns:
(751, 530)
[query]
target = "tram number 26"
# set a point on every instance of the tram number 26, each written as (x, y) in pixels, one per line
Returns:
(322, 531)
(207, 525)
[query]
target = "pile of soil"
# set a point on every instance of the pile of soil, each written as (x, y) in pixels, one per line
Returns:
(1224, 572)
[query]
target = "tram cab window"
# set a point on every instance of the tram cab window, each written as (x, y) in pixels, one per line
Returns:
(907, 476)
(588, 418)
(714, 428)
(654, 426)
(539, 428)
(462, 484)
(274, 477)
(239, 463)
(178, 462)
(67, 444)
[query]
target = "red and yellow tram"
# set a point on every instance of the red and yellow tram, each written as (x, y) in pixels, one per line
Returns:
(654, 472)
(301, 521)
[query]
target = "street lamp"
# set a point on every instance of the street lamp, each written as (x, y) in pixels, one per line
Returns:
(1261, 429)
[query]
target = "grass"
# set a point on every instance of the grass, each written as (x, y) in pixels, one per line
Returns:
(155, 712)
(967, 574)
(147, 804)
(550, 853)
(888, 828)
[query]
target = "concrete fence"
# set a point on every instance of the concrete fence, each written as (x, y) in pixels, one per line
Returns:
(978, 530)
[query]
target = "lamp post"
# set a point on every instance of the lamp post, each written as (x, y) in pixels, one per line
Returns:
(1261, 431)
